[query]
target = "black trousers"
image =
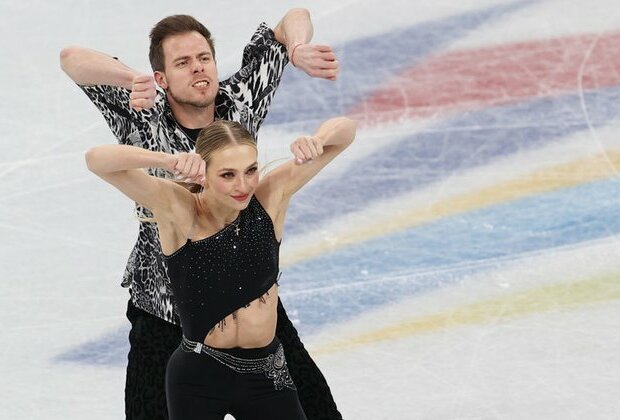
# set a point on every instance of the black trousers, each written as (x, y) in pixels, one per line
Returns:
(198, 387)
(153, 341)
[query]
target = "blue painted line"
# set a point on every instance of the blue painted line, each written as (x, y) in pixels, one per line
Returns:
(461, 143)
(466, 243)
(368, 63)
(109, 350)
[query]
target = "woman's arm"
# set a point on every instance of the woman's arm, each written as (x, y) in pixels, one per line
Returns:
(122, 166)
(312, 154)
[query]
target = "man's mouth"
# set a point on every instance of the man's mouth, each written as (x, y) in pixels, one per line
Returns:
(201, 83)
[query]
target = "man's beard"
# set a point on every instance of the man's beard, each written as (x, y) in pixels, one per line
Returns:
(195, 104)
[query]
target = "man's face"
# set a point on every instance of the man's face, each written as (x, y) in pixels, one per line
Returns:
(190, 73)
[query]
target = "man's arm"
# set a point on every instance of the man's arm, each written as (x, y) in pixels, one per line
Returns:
(88, 67)
(295, 31)
(295, 27)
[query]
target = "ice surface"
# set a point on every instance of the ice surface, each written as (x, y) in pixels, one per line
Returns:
(459, 261)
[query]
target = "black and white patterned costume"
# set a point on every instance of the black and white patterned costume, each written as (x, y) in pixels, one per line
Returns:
(244, 97)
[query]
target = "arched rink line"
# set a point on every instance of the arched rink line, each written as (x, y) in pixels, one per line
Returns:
(466, 80)
(566, 295)
(369, 63)
(452, 146)
(409, 212)
(341, 285)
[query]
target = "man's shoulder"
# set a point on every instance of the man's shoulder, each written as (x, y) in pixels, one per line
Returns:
(263, 32)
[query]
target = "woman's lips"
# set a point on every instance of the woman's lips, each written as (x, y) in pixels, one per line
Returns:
(240, 197)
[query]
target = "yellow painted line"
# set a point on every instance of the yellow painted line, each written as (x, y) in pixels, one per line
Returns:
(561, 176)
(559, 297)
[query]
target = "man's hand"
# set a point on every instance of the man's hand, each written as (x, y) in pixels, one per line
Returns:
(143, 92)
(315, 60)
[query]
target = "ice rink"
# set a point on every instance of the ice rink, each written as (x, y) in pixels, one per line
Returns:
(459, 261)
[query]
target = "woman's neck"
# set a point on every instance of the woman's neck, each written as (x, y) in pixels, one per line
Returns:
(218, 214)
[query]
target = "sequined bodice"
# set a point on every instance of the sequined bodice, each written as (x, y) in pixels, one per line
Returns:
(215, 276)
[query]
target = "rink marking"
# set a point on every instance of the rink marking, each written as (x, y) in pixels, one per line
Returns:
(559, 297)
(307, 102)
(575, 173)
(471, 79)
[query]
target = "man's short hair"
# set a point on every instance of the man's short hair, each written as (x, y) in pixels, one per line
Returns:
(169, 26)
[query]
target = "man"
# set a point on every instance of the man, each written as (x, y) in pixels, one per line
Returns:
(183, 61)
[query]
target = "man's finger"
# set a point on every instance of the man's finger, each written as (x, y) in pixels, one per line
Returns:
(142, 78)
(142, 87)
(326, 74)
(141, 95)
(142, 103)
(323, 48)
(328, 56)
(328, 65)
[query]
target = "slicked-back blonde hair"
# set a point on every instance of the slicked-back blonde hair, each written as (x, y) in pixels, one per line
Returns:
(217, 136)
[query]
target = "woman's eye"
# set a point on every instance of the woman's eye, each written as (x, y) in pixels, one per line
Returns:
(228, 175)
(251, 171)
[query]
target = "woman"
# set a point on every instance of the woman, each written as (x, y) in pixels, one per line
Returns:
(221, 246)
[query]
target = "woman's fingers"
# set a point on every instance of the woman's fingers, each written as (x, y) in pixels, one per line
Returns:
(306, 148)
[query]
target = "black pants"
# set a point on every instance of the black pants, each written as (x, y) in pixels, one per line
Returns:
(153, 340)
(198, 387)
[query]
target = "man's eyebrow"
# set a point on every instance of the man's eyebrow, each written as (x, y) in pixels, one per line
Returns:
(185, 57)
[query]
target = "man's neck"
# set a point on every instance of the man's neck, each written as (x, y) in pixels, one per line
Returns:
(191, 116)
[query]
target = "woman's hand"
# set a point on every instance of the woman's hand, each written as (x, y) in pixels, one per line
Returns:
(307, 148)
(187, 167)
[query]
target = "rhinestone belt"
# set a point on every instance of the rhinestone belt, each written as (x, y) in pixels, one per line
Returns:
(273, 366)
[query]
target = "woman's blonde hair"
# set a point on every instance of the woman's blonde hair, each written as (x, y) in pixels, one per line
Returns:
(219, 135)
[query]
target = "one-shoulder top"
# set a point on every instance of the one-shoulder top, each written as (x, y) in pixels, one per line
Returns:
(214, 277)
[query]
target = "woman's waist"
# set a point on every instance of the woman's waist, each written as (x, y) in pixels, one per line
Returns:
(242, 336)
(249, 326)
(253, 352)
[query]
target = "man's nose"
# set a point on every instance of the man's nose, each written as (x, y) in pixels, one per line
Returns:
(198, 67)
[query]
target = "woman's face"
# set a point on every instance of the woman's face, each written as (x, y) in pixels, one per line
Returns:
(232, 176)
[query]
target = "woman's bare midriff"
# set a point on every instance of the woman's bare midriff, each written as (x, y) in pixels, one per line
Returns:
(254, 326)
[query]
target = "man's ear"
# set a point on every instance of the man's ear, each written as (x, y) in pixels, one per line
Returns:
(160, 78)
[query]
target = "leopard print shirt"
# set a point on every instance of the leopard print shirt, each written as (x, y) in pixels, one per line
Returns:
(244, 97)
